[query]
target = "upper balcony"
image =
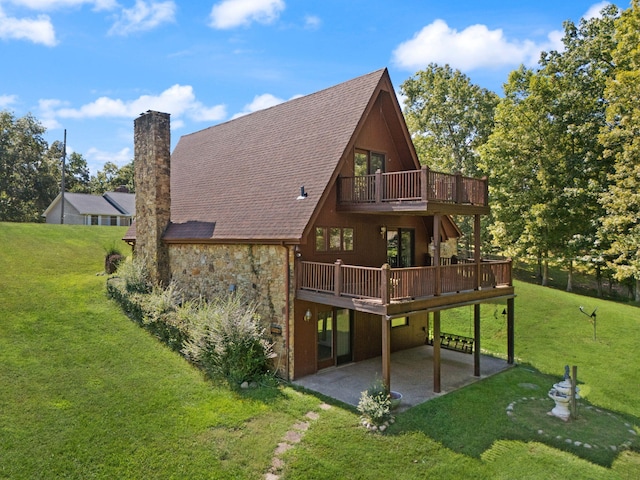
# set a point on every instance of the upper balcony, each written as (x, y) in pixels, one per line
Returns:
(394, 291)
(417, 192)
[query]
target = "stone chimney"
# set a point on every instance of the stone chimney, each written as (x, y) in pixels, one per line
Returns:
(152, 162)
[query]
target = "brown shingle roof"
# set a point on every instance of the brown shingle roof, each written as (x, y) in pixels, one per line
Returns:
(244, 175)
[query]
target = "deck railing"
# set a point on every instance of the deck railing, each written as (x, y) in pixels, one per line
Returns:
(413, 185)
(396, 284)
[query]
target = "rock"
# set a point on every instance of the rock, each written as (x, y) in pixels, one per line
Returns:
(244, 385)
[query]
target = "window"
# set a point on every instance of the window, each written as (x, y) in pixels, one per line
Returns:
(400, 322)
(94, 219)
(321, 239)
(113, 221)
(334, 239)
(400, 247)
(367, 163)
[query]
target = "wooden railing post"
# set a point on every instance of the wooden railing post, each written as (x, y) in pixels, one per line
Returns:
(298, 272)
(385, 291)
(424, 183)
(378, 186)
(485, 182)
(477, 241)
(436, 253)
(337, 278)
(459, 188)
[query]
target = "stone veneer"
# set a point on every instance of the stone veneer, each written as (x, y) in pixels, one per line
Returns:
(152, 162)
(258, 272)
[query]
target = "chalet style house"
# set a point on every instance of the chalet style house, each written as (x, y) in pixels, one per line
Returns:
(318, 209)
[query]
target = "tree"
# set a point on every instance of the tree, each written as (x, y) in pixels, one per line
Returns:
(449, 118)
(547, 167)
(111, 178)
(27, 175)
(621, 139)
(76, 170)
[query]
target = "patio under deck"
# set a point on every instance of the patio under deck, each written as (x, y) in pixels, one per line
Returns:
(412, 375)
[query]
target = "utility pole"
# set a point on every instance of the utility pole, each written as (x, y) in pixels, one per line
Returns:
(62, 186)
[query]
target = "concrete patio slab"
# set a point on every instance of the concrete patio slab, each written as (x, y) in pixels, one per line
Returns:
(411, 375)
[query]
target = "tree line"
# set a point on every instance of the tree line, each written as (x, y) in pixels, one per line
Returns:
(561, 147)
(31, 170)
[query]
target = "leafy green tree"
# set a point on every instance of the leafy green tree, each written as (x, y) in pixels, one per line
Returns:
(621, 139)
(449, 117)
(27, 175)
(76, 169)
(547, 167)
(111, 177)
(77, 175)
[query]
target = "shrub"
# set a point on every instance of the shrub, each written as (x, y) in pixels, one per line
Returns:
(375, 407)
(228, 342)
(112, 258)
(223, 337)
(135, 276)
(161, 315)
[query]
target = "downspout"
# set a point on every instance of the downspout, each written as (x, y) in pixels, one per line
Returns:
(287, 309)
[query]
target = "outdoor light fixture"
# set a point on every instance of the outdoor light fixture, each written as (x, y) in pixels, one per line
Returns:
(307, 315)
(383, 231)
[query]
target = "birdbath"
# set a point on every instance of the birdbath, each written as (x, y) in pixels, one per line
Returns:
(560, 393)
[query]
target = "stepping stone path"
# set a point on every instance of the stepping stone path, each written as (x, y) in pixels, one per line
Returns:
(290, 439)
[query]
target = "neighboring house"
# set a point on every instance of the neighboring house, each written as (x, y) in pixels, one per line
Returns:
(111, 208)
(319, 209)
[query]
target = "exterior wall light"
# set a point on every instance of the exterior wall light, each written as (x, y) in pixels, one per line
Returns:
(307, 315)
(383, 231)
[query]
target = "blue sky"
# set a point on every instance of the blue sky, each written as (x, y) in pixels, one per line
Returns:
(92, 66)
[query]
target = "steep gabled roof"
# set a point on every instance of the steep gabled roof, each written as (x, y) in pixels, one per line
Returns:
(240, 180)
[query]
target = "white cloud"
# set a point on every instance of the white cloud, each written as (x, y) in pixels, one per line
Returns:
(260, 102)
(234, 13)
(120, 158)
(48, 5)
(143, 16)
(36, 30)
(594, 10)
(6, 100)
(312, 22)
(178, 100)
(474, 47)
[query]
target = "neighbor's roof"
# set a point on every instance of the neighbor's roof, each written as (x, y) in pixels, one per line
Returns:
(88, 204)
(125, 202)
(240, 180)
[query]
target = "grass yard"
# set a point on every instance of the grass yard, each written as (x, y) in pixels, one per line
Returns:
(86, 393)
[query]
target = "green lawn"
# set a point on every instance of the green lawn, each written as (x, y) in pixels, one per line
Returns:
(86, 393)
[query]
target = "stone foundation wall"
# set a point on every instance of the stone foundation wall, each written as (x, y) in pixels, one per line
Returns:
(257, 272)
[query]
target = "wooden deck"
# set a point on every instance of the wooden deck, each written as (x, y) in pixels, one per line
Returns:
(393, 291)
(415, 191)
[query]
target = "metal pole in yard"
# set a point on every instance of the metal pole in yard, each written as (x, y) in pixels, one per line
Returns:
(62, 186)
